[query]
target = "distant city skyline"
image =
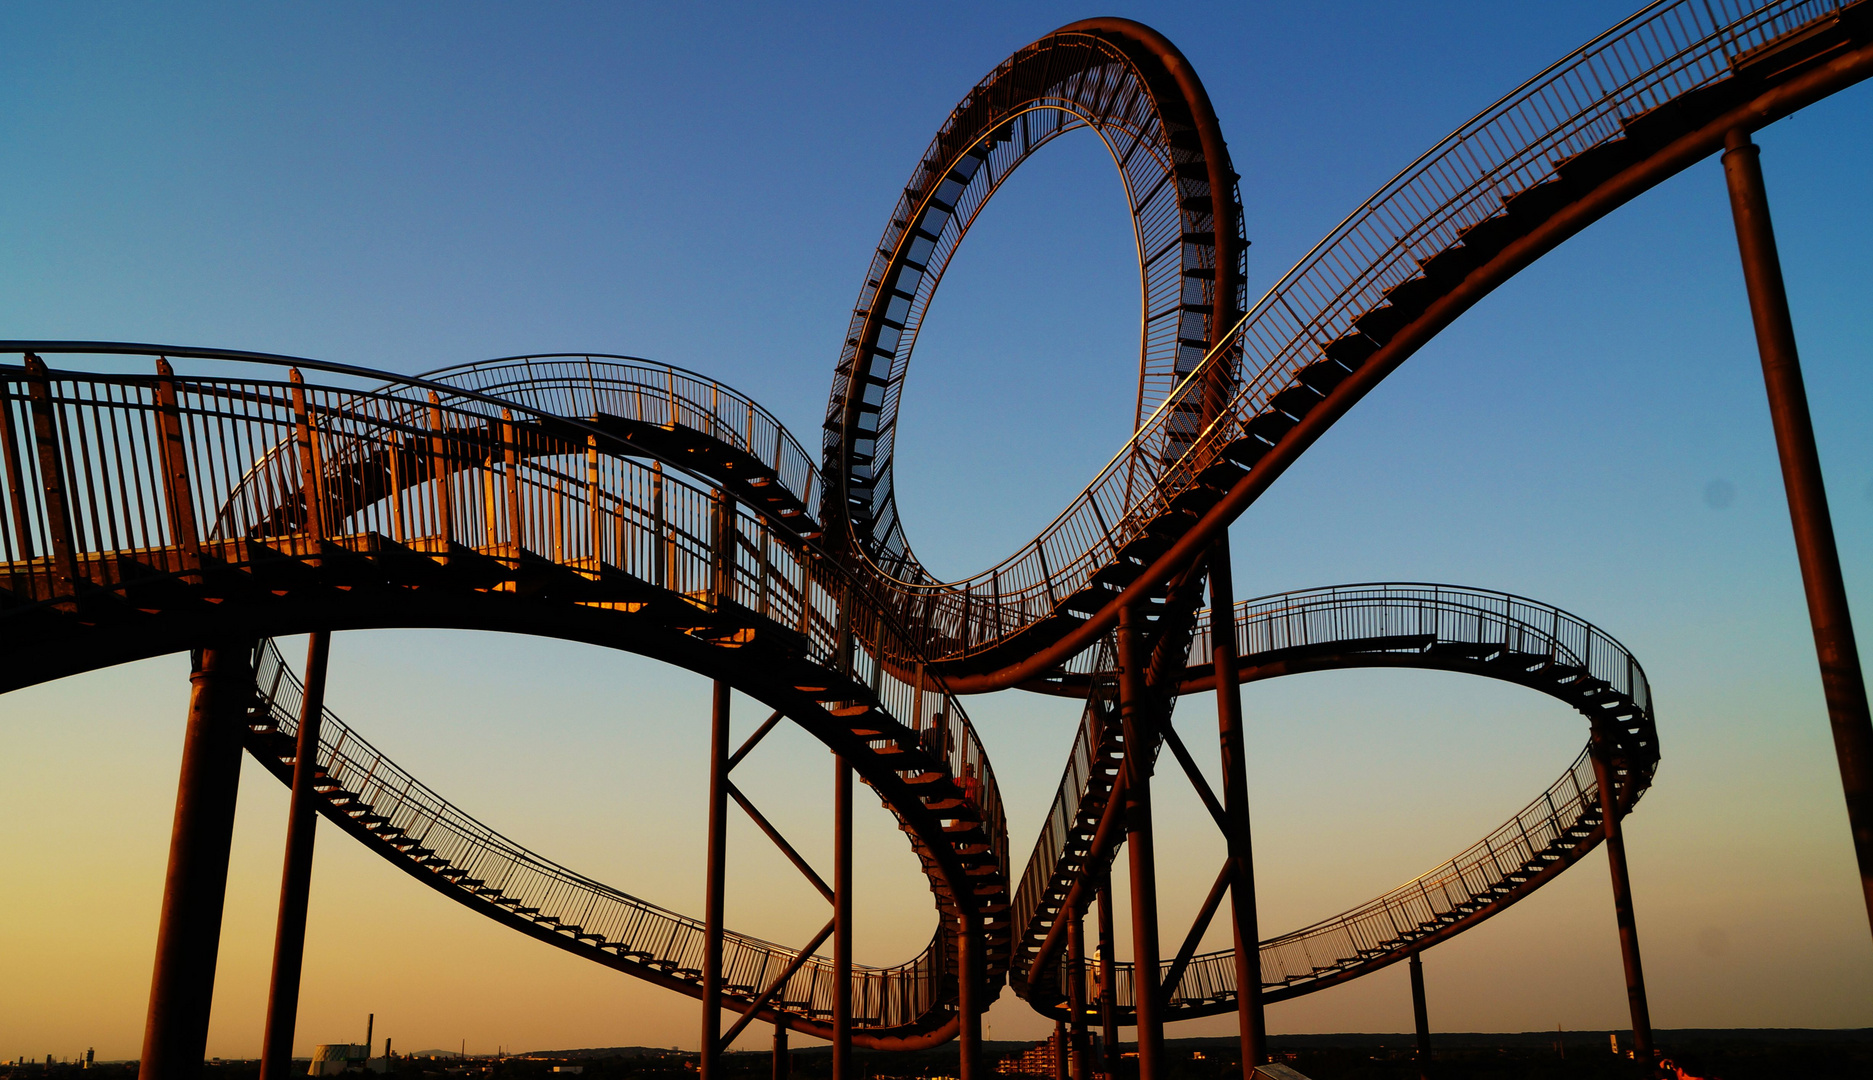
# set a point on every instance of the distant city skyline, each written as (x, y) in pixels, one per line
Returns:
(409, 188)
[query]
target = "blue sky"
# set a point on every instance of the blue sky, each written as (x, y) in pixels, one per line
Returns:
(413, 186)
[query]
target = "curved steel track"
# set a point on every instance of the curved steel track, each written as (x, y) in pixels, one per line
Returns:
(642, 507)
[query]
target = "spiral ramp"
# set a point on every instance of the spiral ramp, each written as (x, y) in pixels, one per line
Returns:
(635, 506)
(1426, 627)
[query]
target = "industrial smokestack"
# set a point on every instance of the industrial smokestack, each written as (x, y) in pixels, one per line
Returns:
(369, 1025)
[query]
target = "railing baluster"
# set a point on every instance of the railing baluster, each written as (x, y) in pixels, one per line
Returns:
(55, 499)
(440, 496)
(17, 494)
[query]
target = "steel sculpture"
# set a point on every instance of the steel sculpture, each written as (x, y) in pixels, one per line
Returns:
(1663, 89)
(642, 507)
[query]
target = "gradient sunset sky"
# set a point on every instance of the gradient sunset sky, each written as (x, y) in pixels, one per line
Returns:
(410, 186)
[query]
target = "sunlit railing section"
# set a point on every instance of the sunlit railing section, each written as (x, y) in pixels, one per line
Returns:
(598, 386)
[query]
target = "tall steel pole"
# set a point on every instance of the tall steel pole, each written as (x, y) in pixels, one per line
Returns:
(1419, 1015)
(1108, 981)
(842, 920)
(783, 1061)
(1842, 683)
(1251, 1025)
(1622, 905)
(709, 1065)
(182, 987)
(969, 1002)
(302, 821)
(1076, 992)
(1140, 851)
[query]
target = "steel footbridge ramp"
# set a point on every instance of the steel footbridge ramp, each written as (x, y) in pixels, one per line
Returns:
(1427, 627)
(156, 512)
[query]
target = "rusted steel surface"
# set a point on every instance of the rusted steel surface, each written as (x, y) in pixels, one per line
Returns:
(637, 506)
(1842, 684)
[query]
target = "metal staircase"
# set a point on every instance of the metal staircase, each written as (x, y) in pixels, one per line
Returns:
(1420, 626)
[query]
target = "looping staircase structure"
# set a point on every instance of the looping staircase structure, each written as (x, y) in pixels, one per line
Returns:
(641, 507)
(1430, 627)
(1639, 104)
(1137, 93)
(1645, 100)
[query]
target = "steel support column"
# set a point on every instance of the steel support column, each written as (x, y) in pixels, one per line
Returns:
(709, 1064)
(1842, 683)
(783, 1060)
(969, 1003)
(1060, 1050)
(175, 1033)
(1076, 994)
(1622, 906)
(302, 821)
(842, 919)
(1108, 982)
(1419, 1016)
(1141, 858)
(1250, 1022)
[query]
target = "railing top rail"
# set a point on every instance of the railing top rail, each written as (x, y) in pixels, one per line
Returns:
(596, 372)
(1442, 869)
(386, 383)
(618, 360)
(1417, 593)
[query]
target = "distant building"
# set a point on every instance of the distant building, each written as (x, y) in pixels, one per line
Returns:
(330, 1059)
(1041, 1059)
